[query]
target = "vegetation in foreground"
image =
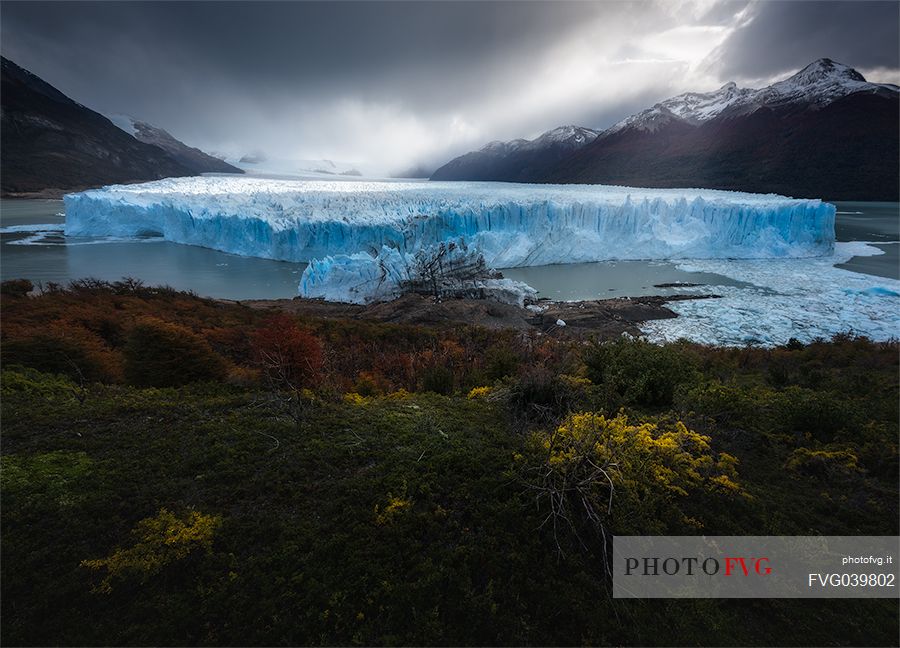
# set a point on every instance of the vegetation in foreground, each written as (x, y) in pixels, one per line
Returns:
(180, 471)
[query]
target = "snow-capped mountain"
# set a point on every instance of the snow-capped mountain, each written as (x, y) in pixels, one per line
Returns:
(192, 158)
(692, 107)
(818, 84)
(823, 132)
(519, 160)
(568, 136)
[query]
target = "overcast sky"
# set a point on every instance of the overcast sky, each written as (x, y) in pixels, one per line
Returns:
(389, 85)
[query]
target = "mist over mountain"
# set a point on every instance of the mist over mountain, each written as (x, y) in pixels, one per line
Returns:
(823, 132)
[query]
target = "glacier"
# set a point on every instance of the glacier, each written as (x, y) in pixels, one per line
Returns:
(511, 224)
(342, 228)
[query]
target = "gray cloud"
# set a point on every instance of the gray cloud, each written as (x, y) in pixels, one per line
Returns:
(784, 36)
(400, 82)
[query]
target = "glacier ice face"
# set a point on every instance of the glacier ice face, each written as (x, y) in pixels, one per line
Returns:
(356, 278)
(357, 236)
(511, 224)
(799, 298)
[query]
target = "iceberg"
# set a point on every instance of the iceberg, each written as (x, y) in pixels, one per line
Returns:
(343, 228)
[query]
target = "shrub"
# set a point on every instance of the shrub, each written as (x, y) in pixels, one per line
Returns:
(500, 362)
(243, 376)
(639, 373)
(619, 476)
(290, 356)
(821, 415)
(161, 540)
(395, 507)
(52, 475)
(823, 463)
(16, 287)
(438, 379)
(751, 407)
(479, 392)
(27, 383)
(73, 353)
(160, 354)
(538, 393)
(371, 383)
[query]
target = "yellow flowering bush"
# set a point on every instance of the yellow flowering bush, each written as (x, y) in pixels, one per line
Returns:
(352, 398)
(611, 471)
(161, 540)
(480, 392)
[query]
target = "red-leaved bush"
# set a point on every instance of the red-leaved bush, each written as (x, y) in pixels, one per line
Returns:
(289, 356)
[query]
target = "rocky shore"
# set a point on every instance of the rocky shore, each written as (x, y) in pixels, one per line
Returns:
(604, 318)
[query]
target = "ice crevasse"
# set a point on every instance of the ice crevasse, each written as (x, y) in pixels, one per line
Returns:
(347, 229)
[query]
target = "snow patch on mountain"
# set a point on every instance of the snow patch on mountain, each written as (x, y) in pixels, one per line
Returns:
(572, 137)
(125, 123)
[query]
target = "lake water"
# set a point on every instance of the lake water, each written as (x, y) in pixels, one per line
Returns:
(34, 248)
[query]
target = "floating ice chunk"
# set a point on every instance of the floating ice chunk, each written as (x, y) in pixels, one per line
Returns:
(510, 224)
(787, 298)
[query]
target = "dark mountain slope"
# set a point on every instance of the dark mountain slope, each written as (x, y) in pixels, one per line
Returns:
(824, 132)
(50, 144)
(188, 156)
(844, 151)
(518, 160)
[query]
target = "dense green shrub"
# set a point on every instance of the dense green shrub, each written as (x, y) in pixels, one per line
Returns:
(820, 414)
(735, 405)
(639, 373)
(438, 379)
(539, 393)
(160, 354)
(500, 362)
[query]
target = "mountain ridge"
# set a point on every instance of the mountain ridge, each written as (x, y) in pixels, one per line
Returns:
(189, 156)
(53, 144)
(779, 138)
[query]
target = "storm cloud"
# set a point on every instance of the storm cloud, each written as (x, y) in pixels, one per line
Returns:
(779, 37)
(391, 84)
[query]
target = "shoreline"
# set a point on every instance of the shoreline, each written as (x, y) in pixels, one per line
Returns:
(606, 318)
